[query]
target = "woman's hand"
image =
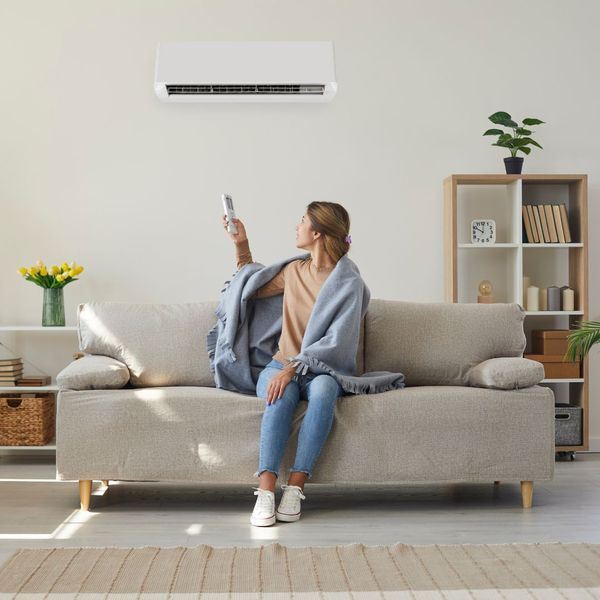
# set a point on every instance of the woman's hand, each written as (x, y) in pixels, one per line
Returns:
(278, 383)
(238, 237)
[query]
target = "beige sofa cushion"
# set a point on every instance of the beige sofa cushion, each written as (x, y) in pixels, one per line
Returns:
(436, 343)
(93, 372)
(506, 373)
(161, 344)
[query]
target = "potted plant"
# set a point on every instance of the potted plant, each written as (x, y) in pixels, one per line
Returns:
(518, 141)
(582, 339)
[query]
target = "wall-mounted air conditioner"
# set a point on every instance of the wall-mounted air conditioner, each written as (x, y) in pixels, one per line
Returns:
(245, 72)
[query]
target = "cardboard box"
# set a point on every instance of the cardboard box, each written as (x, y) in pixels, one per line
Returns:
(550, 341)
(555, 367)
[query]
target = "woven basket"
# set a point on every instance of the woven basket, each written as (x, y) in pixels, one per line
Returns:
(26, 421)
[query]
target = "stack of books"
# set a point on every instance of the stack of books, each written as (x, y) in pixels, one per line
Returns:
(546, 223)
(11, 370)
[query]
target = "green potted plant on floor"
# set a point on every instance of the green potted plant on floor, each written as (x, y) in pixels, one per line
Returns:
(518, 141)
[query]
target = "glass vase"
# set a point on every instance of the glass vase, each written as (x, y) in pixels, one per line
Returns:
(53, 314)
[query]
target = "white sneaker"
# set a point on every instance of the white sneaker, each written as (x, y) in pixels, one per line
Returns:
(289, 507)
(264, 509)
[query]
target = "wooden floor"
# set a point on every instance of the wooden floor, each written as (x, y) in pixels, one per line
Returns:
(37, 511)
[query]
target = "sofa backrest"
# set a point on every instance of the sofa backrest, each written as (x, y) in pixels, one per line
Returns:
(161, 344)
(436, 343)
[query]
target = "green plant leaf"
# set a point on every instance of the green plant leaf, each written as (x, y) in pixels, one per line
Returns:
(505, 137)
(500, 118)
(494, 132)
(522, 131)
(524, 149)
(531, 121)
(530, 141)
(501, 144)
(582, 339)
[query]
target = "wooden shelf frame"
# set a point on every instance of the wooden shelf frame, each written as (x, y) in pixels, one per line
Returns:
(49, 448)
(574, 191)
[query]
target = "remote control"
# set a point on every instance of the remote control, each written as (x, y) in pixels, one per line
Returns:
(229, 212)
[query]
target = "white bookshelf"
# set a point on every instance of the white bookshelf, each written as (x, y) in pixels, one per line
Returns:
(20, 330)
(501, 197)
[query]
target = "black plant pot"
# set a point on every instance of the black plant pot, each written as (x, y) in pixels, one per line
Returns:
(513, 164)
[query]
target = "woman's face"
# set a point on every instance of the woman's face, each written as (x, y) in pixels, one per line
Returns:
(305, 236)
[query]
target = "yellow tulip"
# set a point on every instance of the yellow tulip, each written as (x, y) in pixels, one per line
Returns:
(23, 271)
(33, 270)
(65, 267)
(79, 269)
(54, 270)
(59, 278)
(72, 265)
(43, 272)
(39, 263)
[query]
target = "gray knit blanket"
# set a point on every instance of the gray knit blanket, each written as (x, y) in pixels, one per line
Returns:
(246, 334)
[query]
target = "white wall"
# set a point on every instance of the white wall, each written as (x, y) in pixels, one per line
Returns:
(95, 169)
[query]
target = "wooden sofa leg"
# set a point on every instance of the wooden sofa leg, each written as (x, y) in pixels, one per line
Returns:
(85, 493)
(527, 493)
(105, 482)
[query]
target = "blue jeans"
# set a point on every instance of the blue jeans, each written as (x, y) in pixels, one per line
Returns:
(321, 391)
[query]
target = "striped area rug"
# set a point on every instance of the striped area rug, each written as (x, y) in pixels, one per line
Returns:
(544, 571)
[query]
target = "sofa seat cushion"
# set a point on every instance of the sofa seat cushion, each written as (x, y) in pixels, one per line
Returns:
(427, 433)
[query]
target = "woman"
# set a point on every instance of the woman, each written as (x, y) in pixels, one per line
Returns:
(323, 231)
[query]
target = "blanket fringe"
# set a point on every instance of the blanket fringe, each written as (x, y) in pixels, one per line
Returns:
(348, 382)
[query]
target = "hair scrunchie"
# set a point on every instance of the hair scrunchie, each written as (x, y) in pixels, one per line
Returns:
(348, 239)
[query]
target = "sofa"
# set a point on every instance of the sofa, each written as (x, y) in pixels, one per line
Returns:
(140, 403)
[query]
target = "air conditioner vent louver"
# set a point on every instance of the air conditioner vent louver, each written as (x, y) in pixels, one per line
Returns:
(246, 89)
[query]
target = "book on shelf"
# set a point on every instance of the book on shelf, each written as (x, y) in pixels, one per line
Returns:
(10, 361)
(565, 222)
(551, 224)
(557, 220)
(546, 223)
(33, 380)
(534, 236)
(14, 370)
(538, 223)
(526, 222)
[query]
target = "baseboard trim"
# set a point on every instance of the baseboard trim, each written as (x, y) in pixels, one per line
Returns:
(594, 444)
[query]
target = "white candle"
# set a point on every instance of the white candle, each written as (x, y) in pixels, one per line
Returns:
(568, 299)
(543, 299)
(526, 284)
(533, 298)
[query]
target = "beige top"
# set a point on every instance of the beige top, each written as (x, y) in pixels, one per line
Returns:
(300, 282)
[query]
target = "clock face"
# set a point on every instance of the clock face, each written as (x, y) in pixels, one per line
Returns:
(483, 231)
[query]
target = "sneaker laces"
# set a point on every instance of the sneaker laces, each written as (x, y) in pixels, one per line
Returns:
(289, 497)
(265, 499)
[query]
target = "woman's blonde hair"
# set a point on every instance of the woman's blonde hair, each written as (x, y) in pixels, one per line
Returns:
(333, 222)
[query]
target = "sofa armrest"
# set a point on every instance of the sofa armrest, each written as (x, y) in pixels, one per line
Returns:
(92, 372)
(506, 373)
